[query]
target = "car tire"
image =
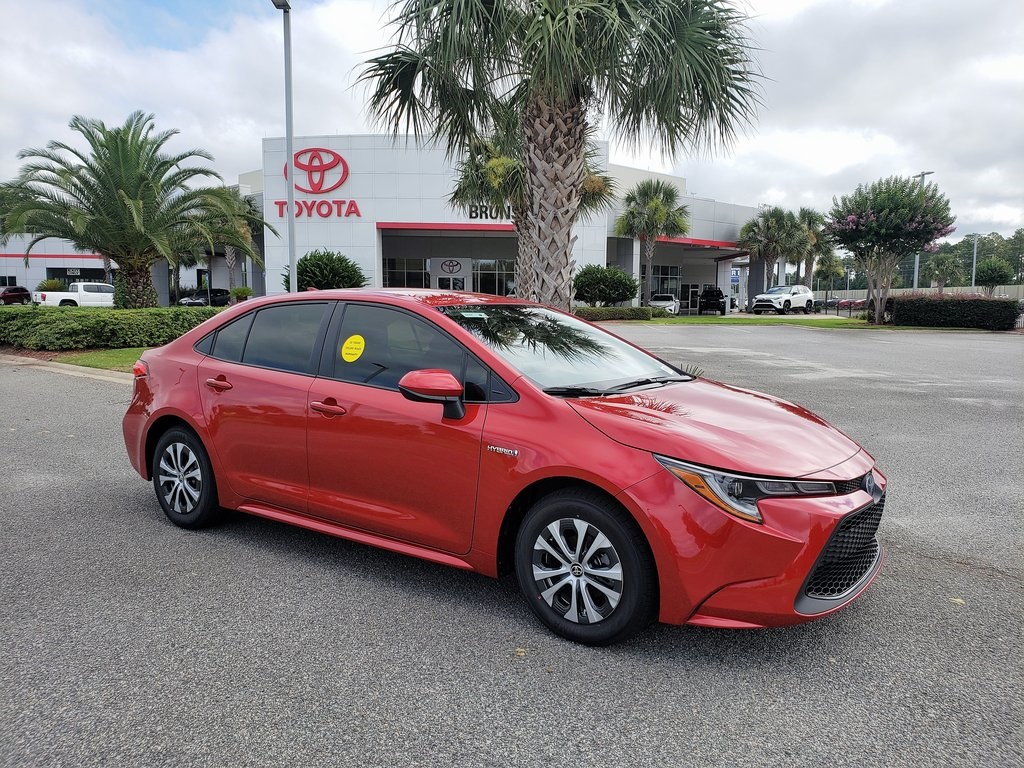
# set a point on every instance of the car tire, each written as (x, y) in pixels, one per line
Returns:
(807, 308)
(183, 479)
(757, 311)
(722, 311)
(785, 308)
(617, 582)
(26, 302)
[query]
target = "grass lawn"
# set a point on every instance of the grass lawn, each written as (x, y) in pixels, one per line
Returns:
(109, 359)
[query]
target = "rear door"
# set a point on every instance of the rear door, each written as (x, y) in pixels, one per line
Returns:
(254, 388)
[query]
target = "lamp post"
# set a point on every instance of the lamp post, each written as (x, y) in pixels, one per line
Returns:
(974, 261)
(917, 256)
(285, 8)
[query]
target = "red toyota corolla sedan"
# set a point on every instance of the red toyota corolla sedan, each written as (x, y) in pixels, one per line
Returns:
(500, 435)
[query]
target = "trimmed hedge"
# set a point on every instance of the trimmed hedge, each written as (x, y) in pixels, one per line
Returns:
(57, 328)
(595, 314)
(934, 310)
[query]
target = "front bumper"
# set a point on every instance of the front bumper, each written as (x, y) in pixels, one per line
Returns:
(810, 557)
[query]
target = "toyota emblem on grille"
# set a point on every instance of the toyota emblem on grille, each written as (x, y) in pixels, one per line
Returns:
(325, 170)
(451, 266)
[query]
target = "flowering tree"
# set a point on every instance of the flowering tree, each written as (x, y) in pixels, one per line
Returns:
(884, 222)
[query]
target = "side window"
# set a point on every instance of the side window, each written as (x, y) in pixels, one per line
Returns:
(106, 289)
(230, 339)
(378, 346)
(283, 336)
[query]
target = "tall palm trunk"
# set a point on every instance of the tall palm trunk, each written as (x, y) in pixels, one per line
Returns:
(809, 271)
(526, 256)
(649, 245)
(555, 167)
(230, 256)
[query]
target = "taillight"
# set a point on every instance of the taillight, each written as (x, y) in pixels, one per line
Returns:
(43, 295)
(141, 369)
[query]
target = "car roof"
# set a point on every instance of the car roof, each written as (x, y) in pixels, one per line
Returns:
(422, 296)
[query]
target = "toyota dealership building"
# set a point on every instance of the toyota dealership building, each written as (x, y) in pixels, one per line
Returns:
(384, 204)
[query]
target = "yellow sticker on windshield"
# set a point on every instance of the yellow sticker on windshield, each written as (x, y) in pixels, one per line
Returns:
(353, 348)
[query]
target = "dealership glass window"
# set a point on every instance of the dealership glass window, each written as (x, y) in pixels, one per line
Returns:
(7, 280)
(406, 273)
(494, 276)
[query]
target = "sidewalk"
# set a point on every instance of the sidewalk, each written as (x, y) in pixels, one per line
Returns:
(71, 370)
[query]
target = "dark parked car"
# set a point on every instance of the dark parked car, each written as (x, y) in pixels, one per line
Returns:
(218, 297)
(15, 294)
(711, 300)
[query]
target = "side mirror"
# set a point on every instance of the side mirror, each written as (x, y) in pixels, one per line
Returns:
(434, 385)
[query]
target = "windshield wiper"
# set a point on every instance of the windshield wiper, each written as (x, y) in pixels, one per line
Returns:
(575, 391)
(647, 381)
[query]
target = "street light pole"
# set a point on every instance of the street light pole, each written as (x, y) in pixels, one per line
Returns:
(917, 256)
(974, 261)
(285, 8)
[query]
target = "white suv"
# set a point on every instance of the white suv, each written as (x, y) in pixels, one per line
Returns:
(783, 298)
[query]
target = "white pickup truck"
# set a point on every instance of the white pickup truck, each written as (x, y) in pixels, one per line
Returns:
(77, 295)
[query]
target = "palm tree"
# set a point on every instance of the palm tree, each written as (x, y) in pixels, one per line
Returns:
(245, 220)
(125, 199)
(942, 269)
(818, 243)
(773, 234)
(677, 73)
(652, 210)
(493, 172)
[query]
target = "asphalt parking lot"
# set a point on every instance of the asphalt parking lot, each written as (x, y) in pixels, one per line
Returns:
(127, 641)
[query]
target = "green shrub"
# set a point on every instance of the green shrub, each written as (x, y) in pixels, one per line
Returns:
(56, 328)
(950, 310)
(326, 269)
(52, 284)
(604, 285)
(241, 292)
(595, 314)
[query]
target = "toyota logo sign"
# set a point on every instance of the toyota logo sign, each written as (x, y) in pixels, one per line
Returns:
(325, 170)
(451, 266)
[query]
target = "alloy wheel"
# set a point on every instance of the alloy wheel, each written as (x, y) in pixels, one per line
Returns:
(180, 478)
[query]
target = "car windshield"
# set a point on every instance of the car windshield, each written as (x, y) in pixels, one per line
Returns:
(663, 297)
(778, 289)
(557, 351)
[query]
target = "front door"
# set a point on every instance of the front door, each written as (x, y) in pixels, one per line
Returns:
(380, 462)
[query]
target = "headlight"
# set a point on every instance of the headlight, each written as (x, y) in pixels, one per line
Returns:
(738, 494)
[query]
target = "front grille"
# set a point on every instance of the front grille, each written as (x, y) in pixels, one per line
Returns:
(850, 553)
(849, 486)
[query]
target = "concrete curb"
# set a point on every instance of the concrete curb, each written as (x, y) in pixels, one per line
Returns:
(71, 370)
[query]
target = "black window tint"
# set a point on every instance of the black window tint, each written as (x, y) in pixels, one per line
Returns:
(283, 336)
(378, 346)
(477, 381)
(106, 289)
(231, 339)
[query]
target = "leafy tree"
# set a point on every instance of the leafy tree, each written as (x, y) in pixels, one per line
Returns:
(1015, 254)
(652, 210)
(124, 198)
(677, 73)
(943, 268)
(884, 222)
(493, 173)
(604, 285)
(829, 269)
(993, 271)
(322, 269)
(773, 234)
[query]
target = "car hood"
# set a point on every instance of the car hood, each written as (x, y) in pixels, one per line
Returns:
(720, 426)
(771, 296)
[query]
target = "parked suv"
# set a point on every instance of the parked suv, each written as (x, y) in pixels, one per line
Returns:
(15, 294)
(785, 298)
(218, 297)
(711, 300)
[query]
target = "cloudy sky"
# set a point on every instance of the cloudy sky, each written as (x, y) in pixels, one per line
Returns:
(855, 90)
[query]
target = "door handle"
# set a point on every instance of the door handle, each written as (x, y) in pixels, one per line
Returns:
(330, 408)
(220, 384)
